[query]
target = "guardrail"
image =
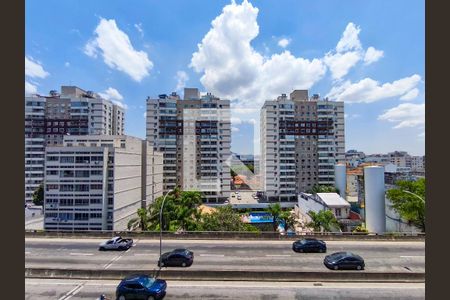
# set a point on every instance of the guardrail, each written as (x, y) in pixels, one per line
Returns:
(229, 235)
(230, 275)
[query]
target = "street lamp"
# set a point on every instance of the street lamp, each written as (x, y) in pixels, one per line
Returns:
(160, 227)
(417, 196)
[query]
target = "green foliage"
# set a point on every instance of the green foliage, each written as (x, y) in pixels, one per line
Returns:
(323, 220)
(224, 218)
(181, 213)
(288, 219)
(274, 210)
(38, 195)
(323, 189)
(361, 228)
(410, 207)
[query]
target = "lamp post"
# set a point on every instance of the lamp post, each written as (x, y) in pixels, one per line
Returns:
(417, 196)
(160, 227)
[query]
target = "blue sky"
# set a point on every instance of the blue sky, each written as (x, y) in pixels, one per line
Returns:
(369, 54)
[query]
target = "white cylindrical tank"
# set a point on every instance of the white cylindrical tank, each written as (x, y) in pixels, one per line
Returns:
(340, 179)
(375, 209)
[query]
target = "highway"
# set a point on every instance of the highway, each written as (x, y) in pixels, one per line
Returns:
(380, 256)
(65, 289)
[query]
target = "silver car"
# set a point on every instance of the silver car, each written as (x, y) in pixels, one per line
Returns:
(116, 243)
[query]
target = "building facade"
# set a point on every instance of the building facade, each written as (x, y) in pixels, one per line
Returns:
(194, 133)
(72, 112)
(98, 182)
(302, 139)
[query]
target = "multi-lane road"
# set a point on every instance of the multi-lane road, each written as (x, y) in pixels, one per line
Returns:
(380, 256)
(63, 289)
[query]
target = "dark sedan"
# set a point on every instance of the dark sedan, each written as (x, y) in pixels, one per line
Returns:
(177, 258)
(309, 245)
(141, 287)
(344, 260)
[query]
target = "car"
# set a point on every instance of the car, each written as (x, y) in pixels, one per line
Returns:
(309, 245)
(232, 195)
(177, 258)
(344, 260)
(141, 287)
(116, 243)
(239, 197)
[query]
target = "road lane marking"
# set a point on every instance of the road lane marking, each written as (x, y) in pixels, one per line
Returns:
(145, 254)
(277, 255)
(81, 254)
(72, 292)
(212, 255)
(106, 266)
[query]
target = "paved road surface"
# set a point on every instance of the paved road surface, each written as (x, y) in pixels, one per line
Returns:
(380, 256)
(39, 289)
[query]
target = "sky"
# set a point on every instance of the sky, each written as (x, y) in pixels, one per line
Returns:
(369, 54)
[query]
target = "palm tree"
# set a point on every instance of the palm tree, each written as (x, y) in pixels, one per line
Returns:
(288, 218)
(324, 220)
(274, 210)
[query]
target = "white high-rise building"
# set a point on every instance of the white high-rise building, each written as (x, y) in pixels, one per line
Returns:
(72, 112)
(194, 133)
(98, 182)
(302, 139)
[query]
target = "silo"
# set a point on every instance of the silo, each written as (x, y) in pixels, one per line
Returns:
(340, 179)
(374, 190)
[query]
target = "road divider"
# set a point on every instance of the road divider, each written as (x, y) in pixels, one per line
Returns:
(231, 275)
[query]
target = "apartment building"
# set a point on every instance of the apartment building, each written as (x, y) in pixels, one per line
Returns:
(418, 163)
(400, 158)
(97, 182)
(302, 139)
(194, 133)
(48, 119)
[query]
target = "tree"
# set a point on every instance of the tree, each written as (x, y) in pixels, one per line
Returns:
(288, 218)
(323, 189)
(324, 220)
(38, 195)
(410, 207)
(274, 210)
(223, 218)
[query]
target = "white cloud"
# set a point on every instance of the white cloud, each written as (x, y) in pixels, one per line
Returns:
(349, 40)
(139, 28)
(234, 129)
(372, 55)
(341, 63)
(284, 42)
(145, 114)
(352, 116)
(34, 69)
(410, 95)
(117, 52)
(232, 68)
(30, 88)
(181, 78)
(422, 135)
(114, 96)
(67, 64)
(405, 115)
(368, 90)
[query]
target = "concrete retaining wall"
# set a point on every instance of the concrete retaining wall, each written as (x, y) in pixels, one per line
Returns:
(223, 235)
(210, 275)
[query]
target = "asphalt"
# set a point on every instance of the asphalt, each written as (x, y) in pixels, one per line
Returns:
(39, 289)
(380, 256)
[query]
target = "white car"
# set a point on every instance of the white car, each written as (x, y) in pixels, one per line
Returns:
(116, 243)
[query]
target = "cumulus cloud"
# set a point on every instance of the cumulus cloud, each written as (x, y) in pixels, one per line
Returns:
(67, 64)
(117, 51)
(405, 115)
(368, 90)
(234, 129)
(341, 63)
(30, 88)
(34, 68)
(284, 42)
(350, 39)
(410, 95)
(113, 95)
(233, 69)
(181, 77)
(372, 55)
